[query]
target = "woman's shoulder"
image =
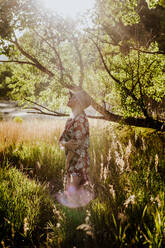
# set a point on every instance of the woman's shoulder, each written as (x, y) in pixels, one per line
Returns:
(81, 117)
(69, 119)
(68, 122)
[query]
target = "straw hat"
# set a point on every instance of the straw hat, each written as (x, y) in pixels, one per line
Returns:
(82, 98)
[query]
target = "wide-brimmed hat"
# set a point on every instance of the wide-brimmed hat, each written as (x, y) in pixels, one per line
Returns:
(82, 97)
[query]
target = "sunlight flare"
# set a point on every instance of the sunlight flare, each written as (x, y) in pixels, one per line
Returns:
(69, 8)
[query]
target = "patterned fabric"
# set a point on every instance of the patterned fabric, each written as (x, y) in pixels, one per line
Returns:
(77, 129)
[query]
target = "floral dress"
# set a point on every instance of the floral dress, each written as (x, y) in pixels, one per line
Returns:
(77, 129)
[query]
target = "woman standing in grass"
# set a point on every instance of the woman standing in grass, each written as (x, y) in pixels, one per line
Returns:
(75, 140)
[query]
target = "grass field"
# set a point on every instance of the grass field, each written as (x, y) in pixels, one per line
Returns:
(128, 176)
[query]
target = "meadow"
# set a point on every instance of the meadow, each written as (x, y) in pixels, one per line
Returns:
(127, 174)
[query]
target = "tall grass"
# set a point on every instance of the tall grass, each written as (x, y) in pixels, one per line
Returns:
(25, 209)
(127, 173)
(12, 132)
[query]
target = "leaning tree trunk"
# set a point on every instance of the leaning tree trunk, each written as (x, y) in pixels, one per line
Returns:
(131, 121)
(106, 115)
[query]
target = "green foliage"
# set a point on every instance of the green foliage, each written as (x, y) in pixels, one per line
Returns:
(48, 39)
(155, 237)
(25, 208)
(131, 59)
(5, 72)
(18, 119)
(65, 234)
(162, 3)
(139, 21)
(38, 160)
(120, 233)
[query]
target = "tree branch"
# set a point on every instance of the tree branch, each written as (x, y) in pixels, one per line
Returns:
(141, 103)
(34, 60)
(148, 68)
(80, 61)
(106, 115)
(17, 61)
(104, 63)
(117, 44)
(148, 52)
(60, 65)
(45, 113)
(102, 40)
(37, 64)
(130, 93)
(53, 112)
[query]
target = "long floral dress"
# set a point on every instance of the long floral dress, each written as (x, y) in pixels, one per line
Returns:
(77, 129)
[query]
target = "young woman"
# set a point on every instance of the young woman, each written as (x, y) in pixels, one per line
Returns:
(75, 141)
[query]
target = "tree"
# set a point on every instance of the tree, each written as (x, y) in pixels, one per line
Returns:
(133, 20)
(34, 38)
(5, 72)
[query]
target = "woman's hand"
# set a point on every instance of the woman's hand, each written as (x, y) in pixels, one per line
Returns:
(70, 145)
(62, 144)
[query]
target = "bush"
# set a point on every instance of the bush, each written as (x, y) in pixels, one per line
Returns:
(18, 119)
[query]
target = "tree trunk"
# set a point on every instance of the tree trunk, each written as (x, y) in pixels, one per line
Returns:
(131, 121)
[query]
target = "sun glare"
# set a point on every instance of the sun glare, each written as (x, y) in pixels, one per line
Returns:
(69, 8)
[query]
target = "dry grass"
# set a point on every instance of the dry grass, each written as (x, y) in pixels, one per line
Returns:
(28, 131)
(12, 132)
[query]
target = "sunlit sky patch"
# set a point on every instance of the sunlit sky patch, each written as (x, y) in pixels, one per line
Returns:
(69, 8)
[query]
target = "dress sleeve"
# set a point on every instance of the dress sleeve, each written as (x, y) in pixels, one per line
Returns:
(63, 135)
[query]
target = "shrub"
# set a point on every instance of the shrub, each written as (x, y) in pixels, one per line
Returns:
(18, 119)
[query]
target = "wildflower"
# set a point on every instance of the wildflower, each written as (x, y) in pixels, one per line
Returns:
(158, 201)
(3, 244)
(112, 191)
(57, 213)
(58, 225)
(87, 217)
(156, 162)
(152, 200)
(105, 173)
(130, 199)
(26, 226)
(86, 228)
(38, 165)
(143, 144)
(122, 217)
(128, 149)
(120, 162)
(109, 156)
(101, 168)
(12, 230)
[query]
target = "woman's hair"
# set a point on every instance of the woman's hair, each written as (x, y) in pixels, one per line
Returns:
(82, 97)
